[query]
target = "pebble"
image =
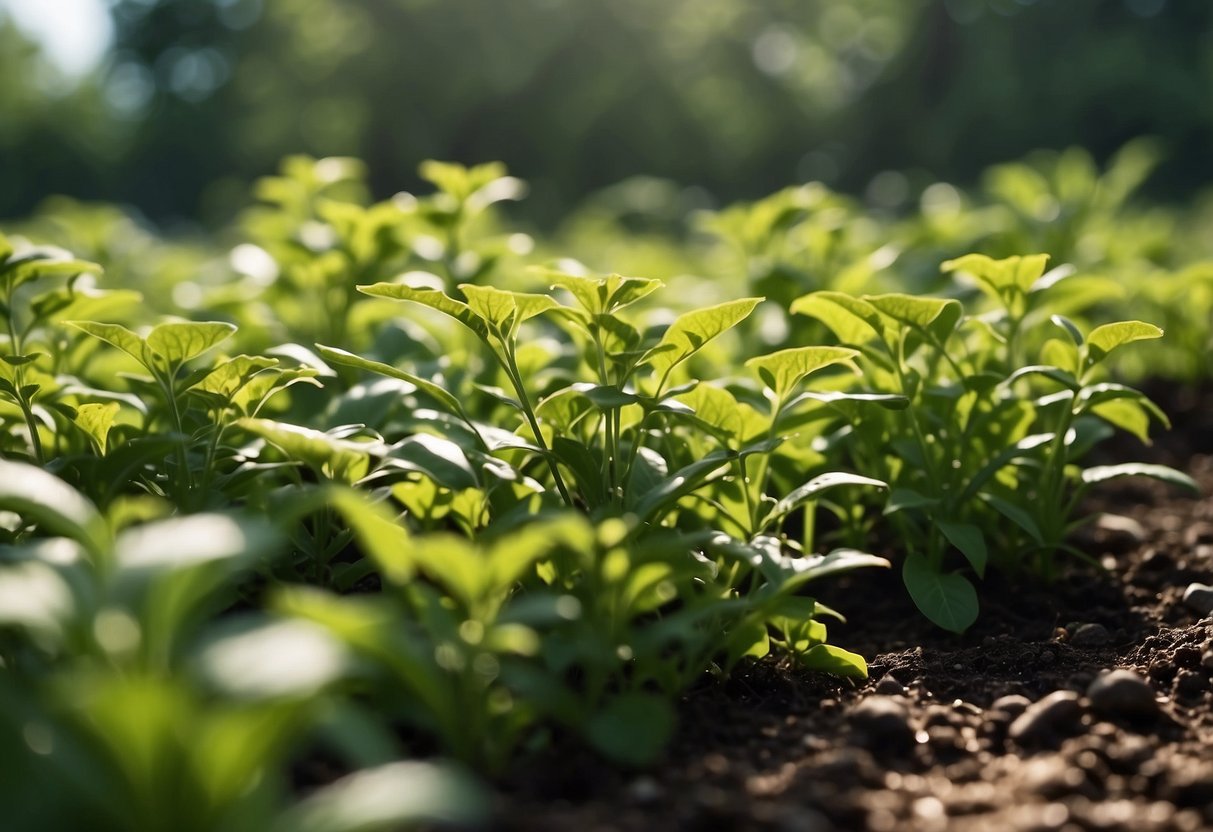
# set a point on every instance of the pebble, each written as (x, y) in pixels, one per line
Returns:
(644, 790)
(1090, 635)
(1199, 598)
(890, 686)
(1206, 661)
(883, 721)
(1012, 705)
(1122, 693)
(1054, 714)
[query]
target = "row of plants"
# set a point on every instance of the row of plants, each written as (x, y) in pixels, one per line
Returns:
(400, 485)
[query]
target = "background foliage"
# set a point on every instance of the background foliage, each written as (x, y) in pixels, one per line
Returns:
(573, 95)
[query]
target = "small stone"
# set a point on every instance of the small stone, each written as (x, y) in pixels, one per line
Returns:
(1058, 713)
(1090, 635)
(1206, 660)
(882, 721)
(1199, 598)
(1122, 693)
(644, 790)
(1011, 705)
(890, 686)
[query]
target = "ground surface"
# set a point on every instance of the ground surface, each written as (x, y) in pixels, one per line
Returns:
(998, 729)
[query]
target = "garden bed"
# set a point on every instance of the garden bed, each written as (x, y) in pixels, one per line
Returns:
(937, 738)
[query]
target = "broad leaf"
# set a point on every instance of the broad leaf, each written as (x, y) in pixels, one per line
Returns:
(431, 298)
(120, 337)
(935, 316)
(1103, 339)
(691, 330)
(434, 391)
(54, 505)
(632, 728)
(947, 599)
(1011, 274)
(96, 419)
(969, 540)
(853, 320)
(179, 341)
(781, 371)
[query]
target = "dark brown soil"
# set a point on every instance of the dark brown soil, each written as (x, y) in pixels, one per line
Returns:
(938, 738)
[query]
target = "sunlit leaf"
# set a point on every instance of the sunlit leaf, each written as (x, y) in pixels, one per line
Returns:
(692, 330)
(781, 371)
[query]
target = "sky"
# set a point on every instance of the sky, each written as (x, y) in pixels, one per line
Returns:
(73, 33)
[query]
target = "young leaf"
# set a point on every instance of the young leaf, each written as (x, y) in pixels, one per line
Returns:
(179, 341)
(781, 371)
(812, 489)
(431, 298)
(827, 658)
(935, 316)
(504, 309)
(96, 419)
(1011, 274)
(1103, 339)
(120, 337)
(438, 394)
(947, 599)
(853, 320)
(691, 330)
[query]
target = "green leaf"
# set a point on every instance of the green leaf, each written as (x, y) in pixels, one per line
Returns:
(781, 371)
(179, 341)
(827, 658)
(812, 489)
(604, 397)
(948, 600)
(853, 320)
(385, 540)
(434, 391)
(180, 542)
(691, 330)
(633, 728)
(969, 540)
(120, 337)
(1016, 515)
(1163, 473)
(340, 459)
(402, 795)
(431, 298)
(1103, 339)
(440, 459)
(96, 419)
(1011, 274)
(1070, 327)
(54, 505)
(232, 374)
(505, 309)
(6, 248)
(936, 317)
(901, 498)
(274, 660)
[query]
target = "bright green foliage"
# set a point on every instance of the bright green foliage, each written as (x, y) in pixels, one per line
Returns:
(984, 461)
(499, 502)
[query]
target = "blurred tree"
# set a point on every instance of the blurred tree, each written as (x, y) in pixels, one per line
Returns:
(738, 96)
